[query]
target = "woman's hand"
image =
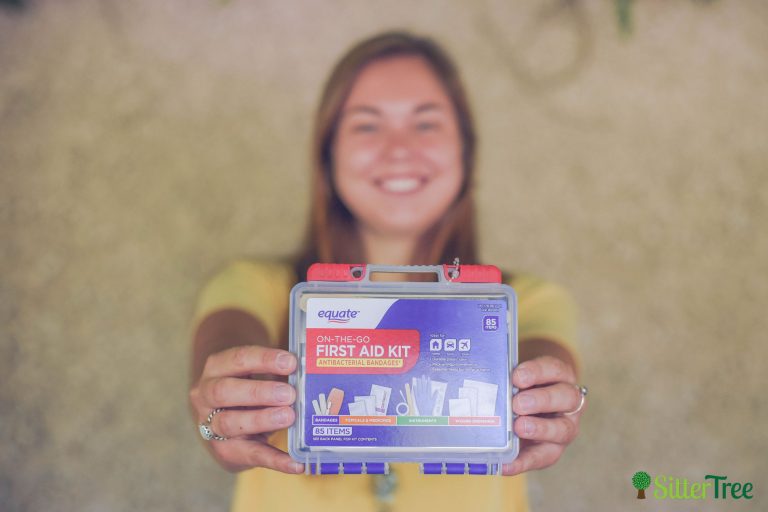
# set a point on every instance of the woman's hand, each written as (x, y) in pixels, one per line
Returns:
(252, 408)
(547, 390)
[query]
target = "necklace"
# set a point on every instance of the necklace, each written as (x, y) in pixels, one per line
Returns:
(384, 487)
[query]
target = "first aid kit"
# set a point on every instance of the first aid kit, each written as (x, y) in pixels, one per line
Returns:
(403, 371)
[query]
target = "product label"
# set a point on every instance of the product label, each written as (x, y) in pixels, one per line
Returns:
(344, 350)
(407, 372)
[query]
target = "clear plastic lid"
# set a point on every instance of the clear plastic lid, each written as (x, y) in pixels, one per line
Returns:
(403, 371)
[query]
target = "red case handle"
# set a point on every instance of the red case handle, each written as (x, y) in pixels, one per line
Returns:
(474, 273)
(348, 272)
(334, 272)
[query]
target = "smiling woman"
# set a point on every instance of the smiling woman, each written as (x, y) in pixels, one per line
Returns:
(398, 143)
(393, 154)
(394, 119)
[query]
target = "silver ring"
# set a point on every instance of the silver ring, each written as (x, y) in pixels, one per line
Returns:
(207, 432)
(583, 393)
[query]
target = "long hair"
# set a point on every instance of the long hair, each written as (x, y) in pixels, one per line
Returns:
(332, 232)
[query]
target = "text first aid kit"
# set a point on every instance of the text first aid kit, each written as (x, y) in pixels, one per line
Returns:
(403, 371)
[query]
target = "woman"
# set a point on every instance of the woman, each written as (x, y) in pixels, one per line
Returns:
(394, 151)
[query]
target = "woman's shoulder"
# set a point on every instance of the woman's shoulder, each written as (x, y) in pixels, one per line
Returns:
(253, 268)
(530, 286)
(545, 308)
(247, 284)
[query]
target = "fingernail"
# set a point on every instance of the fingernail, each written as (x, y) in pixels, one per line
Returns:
(511, 469)
(297, 468)
(523, 375)
(283, 393)
(528, 427)
(280, 417)
(526, 402)
(285, 361)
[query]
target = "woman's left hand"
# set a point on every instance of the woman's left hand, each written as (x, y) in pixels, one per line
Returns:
(547, 390)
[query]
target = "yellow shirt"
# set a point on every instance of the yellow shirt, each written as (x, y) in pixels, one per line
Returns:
(544, 311)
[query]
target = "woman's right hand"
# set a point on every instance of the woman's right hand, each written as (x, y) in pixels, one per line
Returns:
(252, 408)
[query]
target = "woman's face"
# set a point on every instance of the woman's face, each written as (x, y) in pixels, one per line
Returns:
(397, 151)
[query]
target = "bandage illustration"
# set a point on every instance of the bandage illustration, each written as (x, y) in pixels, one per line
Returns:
(459, 407)
(369, 403)
(486, 396)
(357, 409)
(328, 406)
(323, 403)
(335, 399)
(381, 396)
(471, 395)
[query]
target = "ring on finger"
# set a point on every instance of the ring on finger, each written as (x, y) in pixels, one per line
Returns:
(583, 393)
(207, 431)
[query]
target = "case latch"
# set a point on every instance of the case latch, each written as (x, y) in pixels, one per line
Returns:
(458, 468)
(349, 468)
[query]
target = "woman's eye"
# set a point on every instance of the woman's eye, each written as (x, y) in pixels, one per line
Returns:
(364, 128)
(426, 126)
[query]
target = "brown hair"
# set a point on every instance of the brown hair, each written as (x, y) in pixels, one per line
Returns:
(333, 236)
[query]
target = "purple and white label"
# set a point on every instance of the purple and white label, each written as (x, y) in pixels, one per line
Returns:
(407, 373)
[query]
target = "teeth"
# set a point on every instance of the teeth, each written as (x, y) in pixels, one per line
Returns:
(401, 184)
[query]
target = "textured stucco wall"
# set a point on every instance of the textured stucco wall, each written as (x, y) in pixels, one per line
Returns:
(145, 144)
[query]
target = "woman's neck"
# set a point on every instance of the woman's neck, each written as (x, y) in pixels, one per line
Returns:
(388, 249)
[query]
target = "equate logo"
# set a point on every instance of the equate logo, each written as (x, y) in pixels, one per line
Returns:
(340, 316)
(666, 487)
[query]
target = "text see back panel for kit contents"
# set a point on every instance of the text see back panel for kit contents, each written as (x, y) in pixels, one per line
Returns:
(398, 372)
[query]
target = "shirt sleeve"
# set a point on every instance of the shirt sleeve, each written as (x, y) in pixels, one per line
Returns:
(260, 289)
(546, 310)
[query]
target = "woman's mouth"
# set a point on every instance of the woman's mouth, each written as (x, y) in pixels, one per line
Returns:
(401, 185)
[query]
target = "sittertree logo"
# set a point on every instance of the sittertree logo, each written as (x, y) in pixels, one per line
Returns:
(641, 481)
(668, 487)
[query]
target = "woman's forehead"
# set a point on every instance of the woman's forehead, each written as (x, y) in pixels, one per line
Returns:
(402, 83)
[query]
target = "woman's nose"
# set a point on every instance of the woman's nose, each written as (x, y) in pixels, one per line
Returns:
(399, 145)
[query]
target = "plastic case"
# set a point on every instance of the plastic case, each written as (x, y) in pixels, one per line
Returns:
(403, 371)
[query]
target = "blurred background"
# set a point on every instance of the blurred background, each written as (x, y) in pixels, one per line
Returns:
(144, 145)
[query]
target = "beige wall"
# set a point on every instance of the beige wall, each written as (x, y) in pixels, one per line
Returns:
(143, 146)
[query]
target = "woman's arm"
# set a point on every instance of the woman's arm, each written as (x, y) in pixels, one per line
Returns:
(223, 329)
(234, 369)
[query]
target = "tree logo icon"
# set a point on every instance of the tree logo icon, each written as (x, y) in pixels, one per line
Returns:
(641, 480)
